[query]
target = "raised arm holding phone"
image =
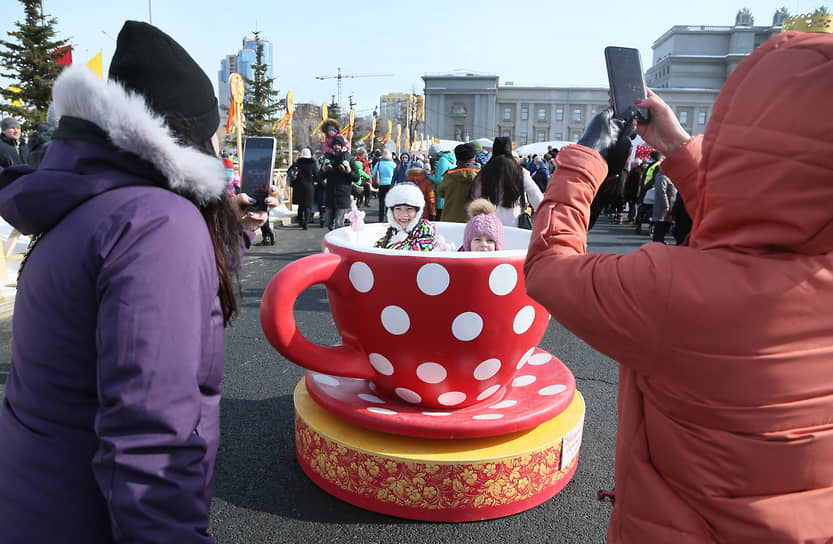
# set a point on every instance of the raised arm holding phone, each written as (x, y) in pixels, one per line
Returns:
(724, 347)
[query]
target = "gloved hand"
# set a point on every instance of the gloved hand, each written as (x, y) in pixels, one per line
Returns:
(611, 137)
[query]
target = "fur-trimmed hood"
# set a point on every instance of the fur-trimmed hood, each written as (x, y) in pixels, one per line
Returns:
(106, 139)
(132, 126)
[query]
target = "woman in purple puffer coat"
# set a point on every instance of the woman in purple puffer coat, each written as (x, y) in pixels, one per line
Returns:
(110, 421)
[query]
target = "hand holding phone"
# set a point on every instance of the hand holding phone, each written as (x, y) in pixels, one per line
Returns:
(664, 133)
(258, 162)
(627, 83)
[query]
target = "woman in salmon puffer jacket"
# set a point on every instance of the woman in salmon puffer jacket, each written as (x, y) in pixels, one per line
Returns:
(726, 371)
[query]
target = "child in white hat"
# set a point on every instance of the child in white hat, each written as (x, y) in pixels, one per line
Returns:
(407, 229)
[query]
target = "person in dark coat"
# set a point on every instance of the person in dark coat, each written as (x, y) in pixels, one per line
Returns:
(631, 192)
(541, 176)
(681, 221)
(303, 186)
(39, 140)
(340, 172)
(13, 148)
(110, 423)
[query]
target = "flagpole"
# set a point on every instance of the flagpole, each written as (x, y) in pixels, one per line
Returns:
(239, 141)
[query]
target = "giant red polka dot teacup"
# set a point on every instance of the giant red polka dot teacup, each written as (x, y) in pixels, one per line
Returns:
(438, 329)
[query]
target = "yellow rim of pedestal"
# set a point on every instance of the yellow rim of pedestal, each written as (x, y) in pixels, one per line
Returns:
(471, 450)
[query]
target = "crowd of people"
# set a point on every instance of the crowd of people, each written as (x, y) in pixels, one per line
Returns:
(449, 179)
(110, 419)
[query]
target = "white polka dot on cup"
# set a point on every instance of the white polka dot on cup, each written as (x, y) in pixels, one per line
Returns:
(433, 279)
(551, 390)
(523, 360)
(395, 320)
(326, 379)
(487, 417)
(540, 359)
(467, 326)
(370, 398)
(382, 411)
(381, 364)
(522, 381)
(452, 398)
(503, 279)
(523, 319)
(486, 369)
(431, 372)
(504, 404)
(488, 392)
(361, 276)
(407, 395)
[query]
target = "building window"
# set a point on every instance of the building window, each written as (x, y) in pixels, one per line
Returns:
(458, 109)
(524, 113)
(683, 117)
(507, 114)
(574, 136)
(558, 136)
(701, 118)
(542, 115)
(524, 138)
(541, 136)
(559, 113)
(577, 114)
(507, 134)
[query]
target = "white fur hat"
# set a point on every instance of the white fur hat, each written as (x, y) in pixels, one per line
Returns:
(405, 193)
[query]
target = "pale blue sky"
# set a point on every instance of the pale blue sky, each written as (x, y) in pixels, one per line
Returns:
(527, 42)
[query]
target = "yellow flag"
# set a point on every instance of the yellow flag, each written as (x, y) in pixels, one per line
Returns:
(17, 101)
(94, 64)
(398, 137)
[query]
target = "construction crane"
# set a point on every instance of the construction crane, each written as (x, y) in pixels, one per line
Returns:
(339, 76)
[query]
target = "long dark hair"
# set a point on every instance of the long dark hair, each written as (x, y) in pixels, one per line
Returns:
(224, 228)
(501, 180)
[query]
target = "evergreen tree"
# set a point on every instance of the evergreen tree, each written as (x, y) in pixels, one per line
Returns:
(28, 61)
(261, 103)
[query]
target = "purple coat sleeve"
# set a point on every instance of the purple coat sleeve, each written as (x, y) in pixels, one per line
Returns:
(156, 325)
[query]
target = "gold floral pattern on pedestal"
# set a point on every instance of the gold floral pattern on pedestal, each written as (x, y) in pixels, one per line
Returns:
(430, 486)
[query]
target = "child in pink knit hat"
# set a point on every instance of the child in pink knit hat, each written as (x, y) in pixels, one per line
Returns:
(484, 231)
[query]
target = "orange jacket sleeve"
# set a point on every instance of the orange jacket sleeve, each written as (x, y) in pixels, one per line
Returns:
(612, 302)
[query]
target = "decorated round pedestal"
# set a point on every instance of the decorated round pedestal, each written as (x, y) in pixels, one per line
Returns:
(435, 479)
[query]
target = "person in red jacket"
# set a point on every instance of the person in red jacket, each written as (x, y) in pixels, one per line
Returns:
(725, 377)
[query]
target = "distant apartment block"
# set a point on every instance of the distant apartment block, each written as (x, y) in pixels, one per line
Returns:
(241, 63)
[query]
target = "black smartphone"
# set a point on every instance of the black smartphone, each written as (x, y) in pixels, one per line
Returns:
(627, 82)
(258, 161)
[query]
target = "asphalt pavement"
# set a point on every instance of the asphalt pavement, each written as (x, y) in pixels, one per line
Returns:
(261, 494)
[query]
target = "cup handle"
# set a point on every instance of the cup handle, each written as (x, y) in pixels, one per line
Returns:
(278, 320)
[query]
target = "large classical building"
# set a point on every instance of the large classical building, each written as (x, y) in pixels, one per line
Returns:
(690, 65)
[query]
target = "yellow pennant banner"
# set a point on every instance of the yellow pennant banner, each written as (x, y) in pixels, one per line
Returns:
(94, 64)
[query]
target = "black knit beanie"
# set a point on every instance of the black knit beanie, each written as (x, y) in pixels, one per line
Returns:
(464, 152)
(151, 63)
(502, 146)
